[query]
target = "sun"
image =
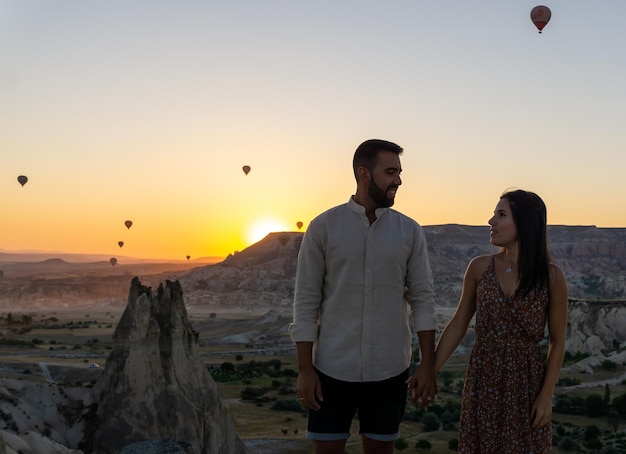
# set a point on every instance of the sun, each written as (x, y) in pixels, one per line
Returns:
(260, 229)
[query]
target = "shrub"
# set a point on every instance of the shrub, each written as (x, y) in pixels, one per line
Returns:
(568, 444)
(400, 444)
(287, 405)
(423, 444)
(609, 365)
(592, 432)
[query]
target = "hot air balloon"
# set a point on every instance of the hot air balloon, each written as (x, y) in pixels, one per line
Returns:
(540, 15)
(188, 257)
(246, 169)
(120, 243)
(128, 224)
(113, 261)
(299, 224)
(22, 179)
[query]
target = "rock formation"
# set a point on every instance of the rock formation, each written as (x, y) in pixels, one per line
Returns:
(596, 327)
(154, 387)
(593, 259)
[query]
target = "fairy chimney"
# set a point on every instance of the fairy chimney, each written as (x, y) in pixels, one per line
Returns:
(154, 386)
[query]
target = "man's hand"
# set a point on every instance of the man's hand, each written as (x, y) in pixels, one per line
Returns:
(309, 390)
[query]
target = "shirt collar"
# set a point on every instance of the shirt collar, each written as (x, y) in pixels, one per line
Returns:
(360, 209)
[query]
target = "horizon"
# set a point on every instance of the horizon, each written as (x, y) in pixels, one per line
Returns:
(218, 258)
(209, 125)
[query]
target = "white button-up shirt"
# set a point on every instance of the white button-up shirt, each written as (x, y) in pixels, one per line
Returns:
(357, 288)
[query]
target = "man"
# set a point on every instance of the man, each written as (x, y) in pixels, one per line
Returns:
(361, 266)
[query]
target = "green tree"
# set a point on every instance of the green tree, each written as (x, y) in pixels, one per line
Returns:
(594, 406)
(619, 404)
(430, 421)
(447, 378)
(592, 432)
(227, 367)
(448, 419)
(594, 444)
(568, 444)
(613, 419)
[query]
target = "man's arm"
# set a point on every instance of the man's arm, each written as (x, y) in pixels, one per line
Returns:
(309, 390)
(423, 382)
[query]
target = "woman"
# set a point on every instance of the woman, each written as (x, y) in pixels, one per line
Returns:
(507, 396)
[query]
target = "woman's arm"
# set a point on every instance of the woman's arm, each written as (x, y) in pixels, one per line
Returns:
(456, 327)
(557, 329)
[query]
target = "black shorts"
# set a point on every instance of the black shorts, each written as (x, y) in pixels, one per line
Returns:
(379, 404)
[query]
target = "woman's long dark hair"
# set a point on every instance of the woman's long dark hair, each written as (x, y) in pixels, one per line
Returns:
(534, 257)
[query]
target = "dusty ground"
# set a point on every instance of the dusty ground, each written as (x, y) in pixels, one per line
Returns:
(274, 446)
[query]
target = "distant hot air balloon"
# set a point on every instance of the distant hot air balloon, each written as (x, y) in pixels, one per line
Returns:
(113, 261)
(540, 15)
(246, 169)
(22, 179)
(120, 243)
(299, 224)
(188, 257)
(128, 224)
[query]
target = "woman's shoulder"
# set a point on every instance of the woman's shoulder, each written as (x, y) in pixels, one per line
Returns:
(478, 265)
(556, 273)
(481, 260)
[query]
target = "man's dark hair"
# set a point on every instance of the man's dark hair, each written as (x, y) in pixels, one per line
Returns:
(366, 154)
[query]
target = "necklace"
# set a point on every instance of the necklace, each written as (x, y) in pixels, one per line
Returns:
(508, 269)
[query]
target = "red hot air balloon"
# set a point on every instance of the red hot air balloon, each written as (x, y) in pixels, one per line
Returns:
(299, 224)
(128, 224)
(113, 261)
(246, 169)
(120, 243)
(22, 179)
(540, 15)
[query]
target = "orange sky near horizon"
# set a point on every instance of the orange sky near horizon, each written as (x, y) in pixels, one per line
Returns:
(148, 110)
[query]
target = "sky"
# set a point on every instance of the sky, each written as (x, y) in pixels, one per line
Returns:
(148, 110)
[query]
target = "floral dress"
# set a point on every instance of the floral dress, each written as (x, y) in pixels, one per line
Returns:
(505, 373)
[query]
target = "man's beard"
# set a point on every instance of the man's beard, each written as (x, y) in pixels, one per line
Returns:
(378, 195)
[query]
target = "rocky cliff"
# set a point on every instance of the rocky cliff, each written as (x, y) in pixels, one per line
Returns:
(154, 386)
(596, 327)
(594, 260)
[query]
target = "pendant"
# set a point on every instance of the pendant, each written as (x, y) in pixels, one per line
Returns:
(508, 269)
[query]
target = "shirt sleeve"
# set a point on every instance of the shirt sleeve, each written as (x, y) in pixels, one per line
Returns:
(419, 292)
(308, 286)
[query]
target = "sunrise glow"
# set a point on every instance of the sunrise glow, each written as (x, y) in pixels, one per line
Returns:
(262, 228)
(210, 125)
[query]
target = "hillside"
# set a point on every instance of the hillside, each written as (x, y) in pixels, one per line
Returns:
(593, 259)
(262, 275)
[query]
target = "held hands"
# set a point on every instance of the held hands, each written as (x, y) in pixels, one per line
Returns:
(423, 385)
(309, 390)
